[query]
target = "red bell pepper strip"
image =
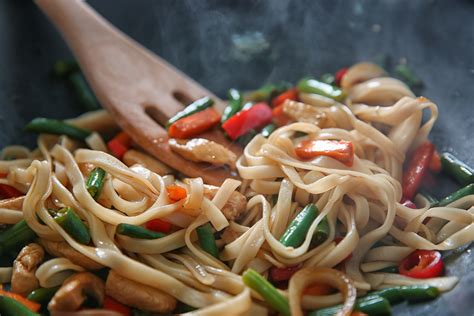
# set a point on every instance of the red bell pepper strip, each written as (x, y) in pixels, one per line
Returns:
(318, 289)
(113, 305)
(422, 264)
(279, 117)
(417, 168)
(435, 163)
(283, 274)
(7, 191)
(339, 74)
(408, 203)
(337, 149)
(33, 306)
(194, 124)
(3, 175)
(244, 121)
(158, 225)
(175, 192)
(291, 94)
(119, 144)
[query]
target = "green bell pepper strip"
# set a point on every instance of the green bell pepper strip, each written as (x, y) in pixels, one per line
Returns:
(310, 85)
(408, 76)
(392, 269)
(9, 306)
(460, 171)
(84, 93)
(467, 190)
(73, 225)
(269, 293)
(62, 68)
(42, 295)
(234, 106)
(321, 233)
(371, 305)
(296, 231)
(139, 232)
(51, 126)
(267, 92)
(328, 78)
(15, 237)
(95, 182)
(196, 106)
(410, 293)
(431, 199)
(207, 240)
(267, 130)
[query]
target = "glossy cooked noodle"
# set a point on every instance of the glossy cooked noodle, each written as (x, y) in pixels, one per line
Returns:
(360, 203)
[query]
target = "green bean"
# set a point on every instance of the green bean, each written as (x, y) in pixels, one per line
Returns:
(321, 233)
(140, 232)
(460, 171)
(63, 68)
(207, 240)
(246, 138)
(392, 269)
(42, 295)
(408, 76)
(467, 190)
(84, 93)
(95, 182)
(328, 78)
(267, 130)
(15, 237)
(431, 199)
(10, 306)
(310, 85)
(411, 293)
(269, 293)
(192, 108)
(371, 305)
(73, 225)
(266, 92)
(234, 106)
(51, 126)
(296, 231)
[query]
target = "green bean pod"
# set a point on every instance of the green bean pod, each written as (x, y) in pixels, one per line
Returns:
(321, 233)
(467, 190)
(266, 92)
(392, 269)
(73, 225)
(43, 295)
(15, 237)
(267, 130)
(196, 106)
(84, 93)
(410, 293)
(431, 199)
(9, 306)
(296, 231)
(95, 182)
(207, 240)
(269, 293)
(139, 232)
(370, 305)
(234, 106)
(460, 171)
(328, 78)
(51, 126)
(310, 85)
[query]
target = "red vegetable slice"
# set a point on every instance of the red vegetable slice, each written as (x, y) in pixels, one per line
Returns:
(176, 192)
(291, 94)
(7, 191)
(194, 124)
(435, 163)
(408, 203)
(279, 117)
(339, 74)
(113, 305)
(283, 274)
(417, 168)
(119, 144)
(337, 149)
(244, 121)
(422, 264)
(158, 225)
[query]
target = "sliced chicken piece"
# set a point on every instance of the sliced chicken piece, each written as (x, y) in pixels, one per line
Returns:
(24, 267)
(62, 249)
(138, 295)
(235, 205)
(203, 150)
(303, 112)
(74, 291)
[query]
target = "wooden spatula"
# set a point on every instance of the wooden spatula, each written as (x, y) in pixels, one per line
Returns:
(139, 89)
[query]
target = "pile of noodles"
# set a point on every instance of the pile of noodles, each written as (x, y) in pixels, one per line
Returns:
(361, 204)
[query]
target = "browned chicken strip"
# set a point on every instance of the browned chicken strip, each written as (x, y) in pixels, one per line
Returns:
(24, 267)
(138, 295)
(234, 207)
(75, 290)
(62, 249)
(303, 112)
(203, 150)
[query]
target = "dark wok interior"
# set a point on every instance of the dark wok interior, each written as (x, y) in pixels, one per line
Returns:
(209, 41)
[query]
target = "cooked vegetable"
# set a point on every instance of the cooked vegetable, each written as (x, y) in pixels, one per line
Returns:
(340, 150)
(84, 93)
(422, 264)
(241, 123)
(417, 168)
(291, 94)
(14, 304)
(95, 182)
(467, 190)
(279, 116)
(408, 76)
(194, 124)
(158, 225)
(207, 240)
(459, 170)
(246, 138)
(120, 144)
(269, 293)
(328, 78)
(42, 295)
(435, 163)
(267, 130)
(339, 75)
(310, 85)
(318, 289)
(411, 293)
(15, 237)
(138, 232)
(408, 203)
(73, 225)
(371, 305)
(234, 106)
(7, 191)
(321, 233)
(176, 192)
(393, 269)
(266, 92)
(51, 126)
(113, 305)
(283, 274)
(298, 228)
(63, 68)
(431, 199)
(196, 106)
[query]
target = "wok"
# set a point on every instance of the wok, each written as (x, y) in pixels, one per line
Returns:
(243, 44)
